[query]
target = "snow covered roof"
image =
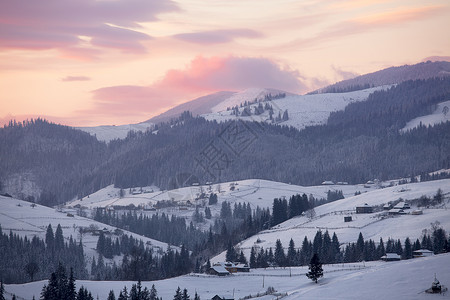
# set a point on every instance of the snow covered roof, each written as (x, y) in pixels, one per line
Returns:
(220, 269)
(391, 256)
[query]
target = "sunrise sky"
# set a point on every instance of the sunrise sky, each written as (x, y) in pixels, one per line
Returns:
(88, 62)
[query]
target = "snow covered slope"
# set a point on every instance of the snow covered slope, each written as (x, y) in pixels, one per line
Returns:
(25, 219)
(406, 279)
(107, 133)
(373, 226)
(256, 192)
(307, 110)
(440, 115)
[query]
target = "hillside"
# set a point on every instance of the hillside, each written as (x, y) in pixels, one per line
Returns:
(107, 133)
(371, 280)
(439, 115)
(29, 220)
(303, 111)
(392, 75)
(373, 226)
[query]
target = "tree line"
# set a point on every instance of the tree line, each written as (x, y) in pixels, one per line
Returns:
(38, 257)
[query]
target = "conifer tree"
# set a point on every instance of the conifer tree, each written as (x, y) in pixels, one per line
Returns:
(111, 295)
(178, 295)
(185, 295)
(2, 291)
(153, 293)
(315, 268)
(280, 257)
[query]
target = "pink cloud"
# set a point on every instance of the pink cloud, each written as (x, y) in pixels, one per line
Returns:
(217, 36)
(48, 24)
(342, 74)
(371, 22)
(202, 76)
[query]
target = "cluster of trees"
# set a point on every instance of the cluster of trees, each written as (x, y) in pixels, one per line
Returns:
(260, 109)
(169, 229)
(38, 257)
(141, 263)
(282, 210)
(329, 250)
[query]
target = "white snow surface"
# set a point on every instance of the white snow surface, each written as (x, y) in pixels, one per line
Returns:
(25, 220)
(438, 116)
(407, 279)
(256, 192)
(248, 95)
(303, 111)
(373, 226)
(107, 133)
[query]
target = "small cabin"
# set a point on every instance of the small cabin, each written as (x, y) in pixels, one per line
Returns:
(365, 209)
(417, 212)
(396, 211)
(422, 253)
(402, 205)
(387, 206)
(391, 257)
(218, 270)
(347, 219)
(328, 182)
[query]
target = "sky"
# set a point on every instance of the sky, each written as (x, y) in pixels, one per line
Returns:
(112, 62)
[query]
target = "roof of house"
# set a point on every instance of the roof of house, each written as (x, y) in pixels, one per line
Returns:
(423, 251)
(391, 256)
(220, 269)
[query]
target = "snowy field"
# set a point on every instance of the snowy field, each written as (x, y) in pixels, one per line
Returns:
(372, 280)
(373, 226)
(107, 133)
(303, 110)
(440, 115)
(256, 192)
(26, 220)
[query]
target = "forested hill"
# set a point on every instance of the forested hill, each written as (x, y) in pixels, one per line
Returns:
(392, 75)
(358, 144)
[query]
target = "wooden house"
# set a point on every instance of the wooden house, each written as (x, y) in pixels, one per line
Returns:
(391, 257)
(365, 209)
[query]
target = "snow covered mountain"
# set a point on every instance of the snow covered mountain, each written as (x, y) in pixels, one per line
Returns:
(302, 110)
(392, 75)
(216, 102)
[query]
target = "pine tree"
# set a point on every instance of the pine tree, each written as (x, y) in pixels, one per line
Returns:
(153, 293)
(196, 297)
(253, 258)
(59, 238)
(291, 254)
(49, 237)
(111, 295)
(185, 295)
(280, 257)
(407, 253)
(315, 268)
(2, 291)
(231, 254)
(178, 295)
(71, 292)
